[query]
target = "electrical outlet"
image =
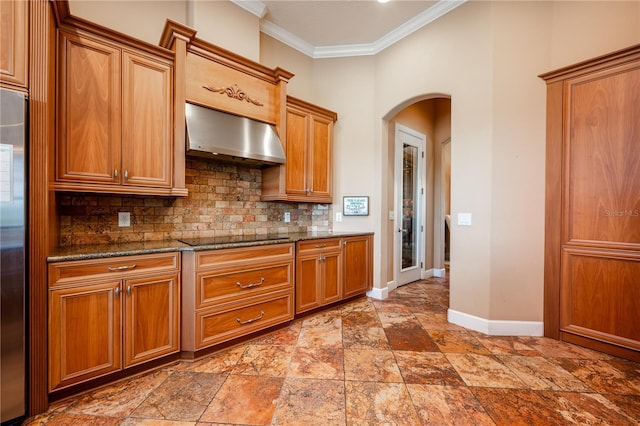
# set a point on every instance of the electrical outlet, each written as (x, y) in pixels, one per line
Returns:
(338, 217)
(124, 219)
(287, 216)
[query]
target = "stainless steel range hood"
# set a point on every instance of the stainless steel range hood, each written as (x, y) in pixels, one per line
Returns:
(227, 137)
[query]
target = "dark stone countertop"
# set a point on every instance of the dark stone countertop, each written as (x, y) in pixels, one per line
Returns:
(98, 251)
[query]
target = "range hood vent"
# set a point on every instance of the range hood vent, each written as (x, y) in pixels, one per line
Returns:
(227, 137)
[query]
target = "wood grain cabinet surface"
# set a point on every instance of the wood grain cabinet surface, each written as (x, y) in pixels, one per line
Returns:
(592, 246)
(230, 293)
(308, 173)
(332, 269)
(14, 40)
(109, 314)
(115, 117)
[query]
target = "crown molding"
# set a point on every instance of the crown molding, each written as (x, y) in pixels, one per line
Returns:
(254, 7)
(259, 9)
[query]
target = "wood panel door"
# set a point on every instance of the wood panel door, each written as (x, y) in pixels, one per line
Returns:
(14, 36)
(151, 318)
(593, 206)
(297, 152)
(308, 282)
(89, 139)
(146, 121)
(357, 265)
(320, 157)
(331, 272)
(84, 332)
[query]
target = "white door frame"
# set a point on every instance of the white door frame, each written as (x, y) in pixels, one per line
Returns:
(405, 135)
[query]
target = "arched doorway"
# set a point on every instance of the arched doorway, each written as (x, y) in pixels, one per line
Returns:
(429, 115)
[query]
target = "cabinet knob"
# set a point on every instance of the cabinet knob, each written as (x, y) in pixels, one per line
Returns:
(129, 290)
(126, 174)
(115, 174)
(117, 291)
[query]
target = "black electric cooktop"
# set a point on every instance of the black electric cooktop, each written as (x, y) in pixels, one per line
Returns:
(206, 241)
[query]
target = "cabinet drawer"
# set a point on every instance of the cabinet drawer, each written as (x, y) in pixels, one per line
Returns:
(232, 284)
(218, 259)
(316, 245)
(65, 273)
(214, 325)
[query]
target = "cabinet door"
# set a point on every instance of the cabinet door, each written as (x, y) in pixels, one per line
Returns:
(151, 318)
(357, 265)
(308, 281)
(13, 42)
(88, 144)
(146, 121)
(297, 152)
(331, 277)
(320, 158)
(84, 333)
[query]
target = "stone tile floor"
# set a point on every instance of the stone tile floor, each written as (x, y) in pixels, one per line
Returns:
(369, 362)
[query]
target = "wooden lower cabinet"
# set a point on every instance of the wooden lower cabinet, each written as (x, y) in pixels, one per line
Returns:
(230, 293)
(318, 273)
(358, 265)
(332, 269)
(110, 314)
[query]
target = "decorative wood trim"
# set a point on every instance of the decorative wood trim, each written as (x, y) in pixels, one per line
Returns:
(233, 91)
(618, 57)
(41, 126)
(553, 212)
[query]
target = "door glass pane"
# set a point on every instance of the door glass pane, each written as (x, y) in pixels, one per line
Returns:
(409, 192)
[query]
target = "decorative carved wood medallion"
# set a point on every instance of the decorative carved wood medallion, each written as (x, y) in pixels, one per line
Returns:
(234, 92)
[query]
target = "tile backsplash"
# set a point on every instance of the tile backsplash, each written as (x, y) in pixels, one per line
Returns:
(224, 199)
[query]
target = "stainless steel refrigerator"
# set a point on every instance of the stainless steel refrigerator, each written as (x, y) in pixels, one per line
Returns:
(13, 131)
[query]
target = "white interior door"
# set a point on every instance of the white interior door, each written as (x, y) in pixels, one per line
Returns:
(409, 205)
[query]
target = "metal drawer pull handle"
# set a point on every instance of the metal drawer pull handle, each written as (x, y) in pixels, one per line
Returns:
(320, 245)
(121, 268)
(251, 285)
(249, 321)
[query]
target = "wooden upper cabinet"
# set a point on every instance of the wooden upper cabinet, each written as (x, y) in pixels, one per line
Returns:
(14, 40)
(115, 117)
(88, 144)
(146, 121)
(308, 172)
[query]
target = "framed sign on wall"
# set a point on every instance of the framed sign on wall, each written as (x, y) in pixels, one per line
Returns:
(355, 206)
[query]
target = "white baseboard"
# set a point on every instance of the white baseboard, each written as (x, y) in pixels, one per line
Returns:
(495, 327)
(381, 293)
(435, 272)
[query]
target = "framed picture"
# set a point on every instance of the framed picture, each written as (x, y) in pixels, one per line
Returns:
(355, 206)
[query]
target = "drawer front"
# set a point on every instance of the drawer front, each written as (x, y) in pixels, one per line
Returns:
(216, 326)
(233, 284)
(226, 258)
(318, 245)
(66, 273)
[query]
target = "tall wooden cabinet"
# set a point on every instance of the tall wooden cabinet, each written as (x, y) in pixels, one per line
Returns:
(14, 39)
(308, 174)
(110, 314)
(592, 247)
(115, 129)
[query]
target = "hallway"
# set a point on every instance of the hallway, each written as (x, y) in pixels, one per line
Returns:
(373, 362)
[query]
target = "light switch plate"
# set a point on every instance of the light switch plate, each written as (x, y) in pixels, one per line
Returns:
(392, 215)
(287, 216)
(338, 217)
(464, 219)
(124, 219)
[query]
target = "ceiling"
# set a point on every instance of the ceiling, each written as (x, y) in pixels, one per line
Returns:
(337, 28)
